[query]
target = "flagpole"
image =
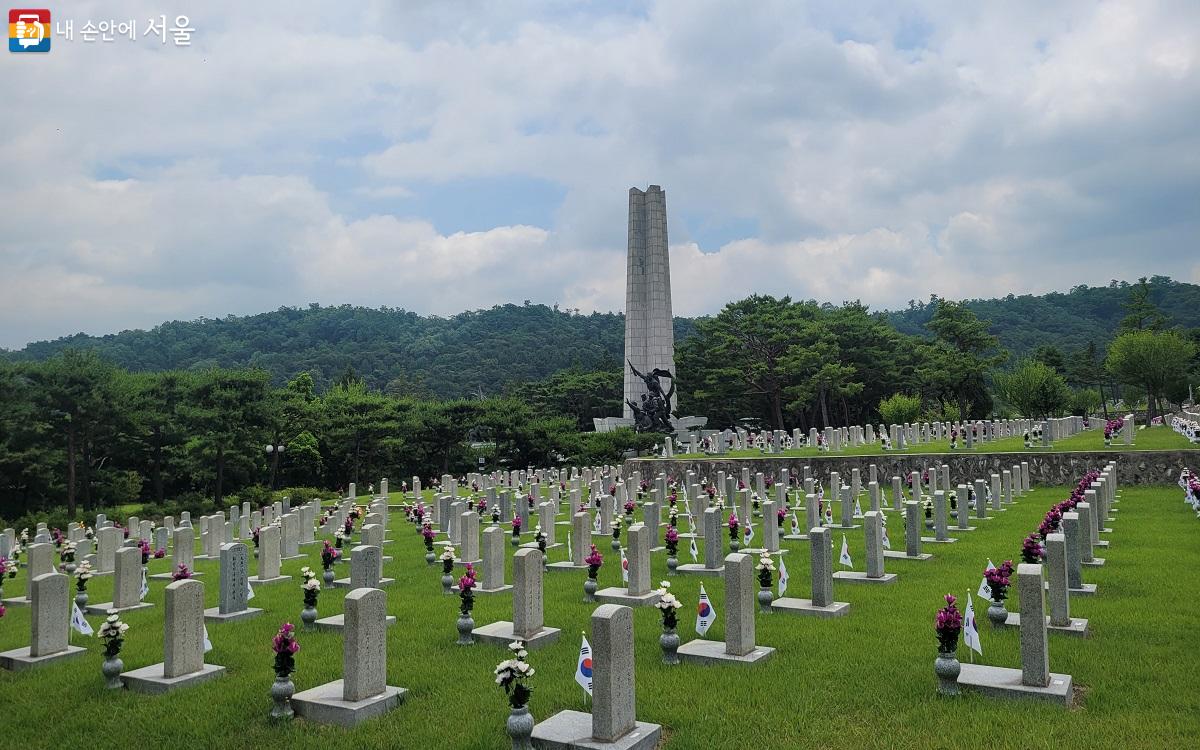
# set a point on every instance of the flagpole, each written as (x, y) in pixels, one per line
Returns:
(970, 651)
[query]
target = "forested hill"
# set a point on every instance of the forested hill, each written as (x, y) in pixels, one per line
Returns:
(1067, 321)
(407, 354)
(390, 349)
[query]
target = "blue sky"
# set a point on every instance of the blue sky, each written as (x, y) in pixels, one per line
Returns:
(446, 156)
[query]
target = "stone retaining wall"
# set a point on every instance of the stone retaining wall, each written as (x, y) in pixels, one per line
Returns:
(1045, 468)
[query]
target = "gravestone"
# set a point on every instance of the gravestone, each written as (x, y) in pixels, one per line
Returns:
(494, 539)
(1033, 680)
(527, 623)
(289, 540)
(363, 692)
(1073, 534)
(468, 531)
(739, 646)
(713, 530)
(873, 533)
(612, 722)
(980, 500)
(108, 540)
(1088, 533)
(48, 624)
(183, 552)
(964, 510)
(913, 518)
(821, 568)
(39, 561)
(127, 584)
(268, 557)
(581, 540)
(940, 519)
(183, 644)
(637, 592)
(234, 587)
(1060, 619)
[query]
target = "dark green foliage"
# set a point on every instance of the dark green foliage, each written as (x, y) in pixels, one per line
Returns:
(464, 356)
(1068, 321)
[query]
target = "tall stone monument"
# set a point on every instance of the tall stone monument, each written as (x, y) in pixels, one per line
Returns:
(649, 324)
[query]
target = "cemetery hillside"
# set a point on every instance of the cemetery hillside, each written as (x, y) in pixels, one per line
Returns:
(361, 387)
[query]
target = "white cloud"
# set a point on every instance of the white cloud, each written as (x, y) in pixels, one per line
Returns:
(879, 151)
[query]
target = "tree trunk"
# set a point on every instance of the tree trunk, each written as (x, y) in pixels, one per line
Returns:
(1103, 401)
(219, 489)
(824, 410)
(71, 469)
(156, 466)
(87, 470)
(845, 411)
(777, 410)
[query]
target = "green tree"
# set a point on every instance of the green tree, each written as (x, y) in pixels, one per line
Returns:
(1052, 357)
(745, 346)
(226, 420)
(1151, 360)
(1034, 388)
(961, 356)
(76, 393)
(1140, 313)
(899, 408)
(1084, 402)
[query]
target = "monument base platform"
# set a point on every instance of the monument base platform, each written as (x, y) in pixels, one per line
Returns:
(572, 730)
(806, 607)
(213, 614)
(151, 679)
(617, 595)
(324, 704)
(713, 652)
(18, 660)
(338, 622)
(699, 570)
(854, 576)
(501, 634)
(1002, 682)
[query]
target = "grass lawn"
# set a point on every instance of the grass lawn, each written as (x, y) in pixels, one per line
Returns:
(865, 680)
(1149, 439)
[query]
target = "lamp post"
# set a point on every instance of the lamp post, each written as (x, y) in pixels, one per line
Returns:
(274, 451)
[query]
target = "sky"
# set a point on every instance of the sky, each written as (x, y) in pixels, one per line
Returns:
(445, 156)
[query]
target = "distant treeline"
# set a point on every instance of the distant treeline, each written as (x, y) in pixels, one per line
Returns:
(479, 353)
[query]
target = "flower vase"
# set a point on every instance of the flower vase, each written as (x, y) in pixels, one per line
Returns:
(516, 540)
(669, 641)
(281, 695)
(946, 667)
(69, 568)
(81, 600)
(447, 582)
(430, 558)
(308, 616)
(589, 589)
(616, 544)
(111, 668)
(765, 597)
(997, 614)
(672, 564)
(520, 728)
(327, 576)
(465, 625)
(734, 546)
